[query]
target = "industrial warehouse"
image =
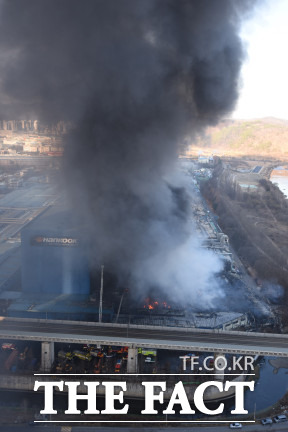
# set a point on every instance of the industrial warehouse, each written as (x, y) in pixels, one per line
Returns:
(46, 271)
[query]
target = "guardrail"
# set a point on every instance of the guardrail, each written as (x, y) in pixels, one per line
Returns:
(148, 327)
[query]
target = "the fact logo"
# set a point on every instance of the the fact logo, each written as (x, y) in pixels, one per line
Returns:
(154, 391)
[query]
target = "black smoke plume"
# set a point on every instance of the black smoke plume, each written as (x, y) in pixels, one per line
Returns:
(136, 77)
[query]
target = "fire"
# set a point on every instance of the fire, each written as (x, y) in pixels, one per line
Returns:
(150, 305)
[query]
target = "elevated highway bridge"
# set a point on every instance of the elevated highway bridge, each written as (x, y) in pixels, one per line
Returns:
(136, 336)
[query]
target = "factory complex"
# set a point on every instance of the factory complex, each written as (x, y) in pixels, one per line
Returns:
(46, 273)
(46, 277)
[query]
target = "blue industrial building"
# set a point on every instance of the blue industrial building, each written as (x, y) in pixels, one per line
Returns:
(53, 257)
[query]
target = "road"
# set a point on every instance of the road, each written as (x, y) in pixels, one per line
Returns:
(20, 206)
(144, 336)
(70, 428)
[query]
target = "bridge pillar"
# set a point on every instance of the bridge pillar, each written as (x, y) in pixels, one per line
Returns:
(132, 360)
(47, 356)
(219, 366)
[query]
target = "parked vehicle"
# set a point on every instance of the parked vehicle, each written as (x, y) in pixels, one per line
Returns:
(235, 426)
(280, 418)
(118, 365)
(65, 355)
(97, 366)
(82, 355)
(147, 352)
(149, 360)
(8, 345)
(266, 421)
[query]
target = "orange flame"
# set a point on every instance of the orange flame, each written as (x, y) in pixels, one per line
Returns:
(150, 305)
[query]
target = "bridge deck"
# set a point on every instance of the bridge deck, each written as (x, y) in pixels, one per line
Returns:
(149, 336)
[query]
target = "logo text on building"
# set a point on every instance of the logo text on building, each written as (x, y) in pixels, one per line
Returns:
(54, 241)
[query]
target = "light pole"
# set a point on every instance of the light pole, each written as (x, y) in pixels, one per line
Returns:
(101, 295)
(119, 308)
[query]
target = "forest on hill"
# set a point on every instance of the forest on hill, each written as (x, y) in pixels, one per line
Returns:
(266, 137)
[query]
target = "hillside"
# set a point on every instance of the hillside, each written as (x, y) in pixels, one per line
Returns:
(265, 137)
(255, 222)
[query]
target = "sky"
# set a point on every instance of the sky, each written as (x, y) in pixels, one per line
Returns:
(264, 80)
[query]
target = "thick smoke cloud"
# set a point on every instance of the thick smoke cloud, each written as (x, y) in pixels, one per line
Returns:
(135, 77)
